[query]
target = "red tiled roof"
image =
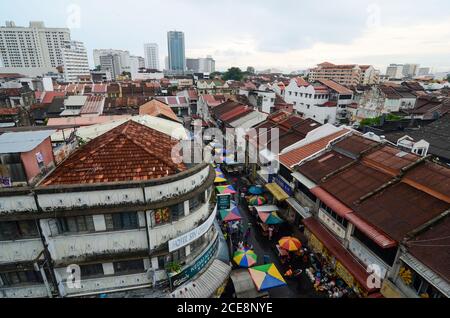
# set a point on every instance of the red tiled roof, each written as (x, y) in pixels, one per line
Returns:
(235, 113)
(301, 82)
(336, 87)
(293, 157)
(129, 152)
(157, 108)
(48, 97)
(99, 88)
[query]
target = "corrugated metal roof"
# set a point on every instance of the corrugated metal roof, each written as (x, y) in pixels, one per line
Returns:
(75, 101)
(15, 142)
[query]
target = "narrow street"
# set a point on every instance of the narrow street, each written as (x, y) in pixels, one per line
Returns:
(299, 287)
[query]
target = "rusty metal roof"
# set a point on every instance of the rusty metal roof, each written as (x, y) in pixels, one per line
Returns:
(399, 209)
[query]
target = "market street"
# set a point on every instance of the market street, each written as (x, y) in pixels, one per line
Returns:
(262, 246)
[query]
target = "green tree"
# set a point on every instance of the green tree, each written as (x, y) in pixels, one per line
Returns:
(233, 73)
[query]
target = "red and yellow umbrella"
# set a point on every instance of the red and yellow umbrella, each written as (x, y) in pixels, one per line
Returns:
(290, 243)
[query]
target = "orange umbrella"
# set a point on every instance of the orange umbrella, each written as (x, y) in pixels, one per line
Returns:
(290, 243)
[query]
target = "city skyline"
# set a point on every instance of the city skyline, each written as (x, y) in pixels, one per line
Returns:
(362, 33)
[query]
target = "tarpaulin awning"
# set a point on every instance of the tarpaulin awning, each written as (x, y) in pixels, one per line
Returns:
(342, 255)
(304, 212)
(331, 201)
(267, 208)
(226, 189)
(277, 192)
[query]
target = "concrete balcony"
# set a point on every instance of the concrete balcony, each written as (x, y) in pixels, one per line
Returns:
(20, 250)
(63, 247)
(24, 291)
(106, 284)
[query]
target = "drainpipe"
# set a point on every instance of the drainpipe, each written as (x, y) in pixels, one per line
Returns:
(146, 227)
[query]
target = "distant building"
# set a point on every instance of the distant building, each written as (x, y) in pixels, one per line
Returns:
(423, 71)
(111, 63)
(201, 65)
(176, 50)
(151, 53)
(32, 47)
(350, 74)
(123, 55)
(394, 71)
(410, 70)
(75, 61)
(136, 64)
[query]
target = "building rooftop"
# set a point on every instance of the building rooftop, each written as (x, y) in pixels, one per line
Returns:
(400, 209)
(157, 108)
(295, 156)
(323, 165)
(129, 152)
(390, 159)
(93, 105)
(354, 145)
(16, 142)
(342, 90)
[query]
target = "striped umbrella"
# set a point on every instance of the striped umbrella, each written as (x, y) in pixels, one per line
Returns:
(245, 258)
(270, 218)
(290, 243)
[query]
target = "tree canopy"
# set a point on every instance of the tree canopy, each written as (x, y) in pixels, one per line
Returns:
(233, 73)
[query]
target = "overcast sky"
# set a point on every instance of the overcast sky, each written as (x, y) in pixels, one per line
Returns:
(287, 34)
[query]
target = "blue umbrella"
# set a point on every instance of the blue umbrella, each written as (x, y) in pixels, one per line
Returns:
(256, 190)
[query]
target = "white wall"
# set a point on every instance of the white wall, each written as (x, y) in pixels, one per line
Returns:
(20, 250)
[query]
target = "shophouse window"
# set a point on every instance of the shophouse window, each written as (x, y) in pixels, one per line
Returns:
(121, 221)
(422, 287)
(196, 201)
(128, 267)
(20, 277)
(16, 230)
(76, 224)
(177, 211)
(334, 215)
(91, 270)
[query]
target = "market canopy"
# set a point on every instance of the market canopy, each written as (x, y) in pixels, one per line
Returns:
(225, 189)
(220, 177)
(266, 277)
(245, 258)
(277, 191)
(270, 218)
(256, 189)
(267, 208)
(230, 215)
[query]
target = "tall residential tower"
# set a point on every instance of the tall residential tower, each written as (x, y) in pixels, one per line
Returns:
(176, 50)
(151, 53)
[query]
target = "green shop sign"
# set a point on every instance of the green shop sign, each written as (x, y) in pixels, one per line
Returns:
(187, 273)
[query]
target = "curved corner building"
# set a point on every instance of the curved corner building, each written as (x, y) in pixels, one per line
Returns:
(117, 216)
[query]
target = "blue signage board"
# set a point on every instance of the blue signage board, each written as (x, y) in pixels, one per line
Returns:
(285, 186)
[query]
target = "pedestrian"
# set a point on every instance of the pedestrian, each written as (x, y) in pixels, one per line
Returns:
(270, 232)
(247, 234)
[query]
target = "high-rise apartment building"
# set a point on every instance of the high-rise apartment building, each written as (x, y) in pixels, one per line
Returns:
(35, 46)
(124, 57)
(395, 71)
(201, 65)
(176, 50)
(410, 70)
(75, 61)
(112, 64)
(151, 53)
